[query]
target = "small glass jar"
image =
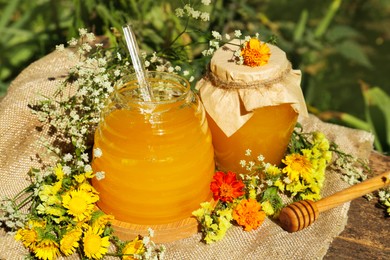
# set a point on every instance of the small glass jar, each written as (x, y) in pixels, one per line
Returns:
(250, 108)
(157, 157)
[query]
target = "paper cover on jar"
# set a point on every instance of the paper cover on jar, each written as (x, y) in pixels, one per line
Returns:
(231, 92)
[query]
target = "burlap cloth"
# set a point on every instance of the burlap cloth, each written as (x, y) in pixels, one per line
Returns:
(19, 145)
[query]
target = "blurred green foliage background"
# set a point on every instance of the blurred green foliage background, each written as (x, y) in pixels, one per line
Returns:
(342, 47)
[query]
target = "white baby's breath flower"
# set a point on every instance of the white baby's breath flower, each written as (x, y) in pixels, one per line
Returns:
(227, 36)
(248, 152)
(186, 73)
(72, 42)
(242, 163)
(100, 175)
(67, 157)
(216, 35)
(87, 168)
(192, 78)
(260, 158)
(205, 17)
(177, 68)
(206, 2)
(83, 32)
(147, 63)
(66, 169)
(97, 152)
(60, 47)
(237, 33)
(179, 12)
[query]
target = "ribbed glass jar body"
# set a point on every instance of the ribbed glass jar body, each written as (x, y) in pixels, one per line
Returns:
(266, 133)
(157, 157)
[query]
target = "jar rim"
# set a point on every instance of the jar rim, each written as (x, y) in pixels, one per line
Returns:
(180, 88)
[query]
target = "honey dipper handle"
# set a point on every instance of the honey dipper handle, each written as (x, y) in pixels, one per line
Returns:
(353, 192)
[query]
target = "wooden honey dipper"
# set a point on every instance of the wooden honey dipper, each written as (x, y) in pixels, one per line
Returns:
(301, 214)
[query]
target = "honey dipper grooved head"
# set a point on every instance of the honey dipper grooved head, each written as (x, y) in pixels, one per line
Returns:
(298, 215)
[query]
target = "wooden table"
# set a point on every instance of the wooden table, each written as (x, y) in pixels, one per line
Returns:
(367, 233)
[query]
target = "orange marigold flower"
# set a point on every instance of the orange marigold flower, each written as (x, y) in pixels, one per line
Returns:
(249, 214)
(226, 187)
(255, 53)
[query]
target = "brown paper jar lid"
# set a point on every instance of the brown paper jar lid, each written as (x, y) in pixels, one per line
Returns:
(228, 87)
(226, 69)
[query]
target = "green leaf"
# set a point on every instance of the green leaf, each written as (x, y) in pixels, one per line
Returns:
(378, 114)
(340, 32)
(352, 51)
(301, 26)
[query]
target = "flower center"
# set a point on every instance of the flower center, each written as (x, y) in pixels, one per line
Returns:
(92, 244)
(77, 205)
(226, 190)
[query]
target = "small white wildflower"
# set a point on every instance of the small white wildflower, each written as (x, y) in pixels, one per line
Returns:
(260, 158)
(147, 63)
(117, 73)
(146, 240)
(87, 168)
(170, 69)
(151, 232)
(60, 47)
(186, 73)
(243, 163)
(100, 175)
(85, 158)
(99, 45)
(118, 56)
(91, 37)
(195, 14)
(269, 182)
(206, 2)
(227, 36)
(205, 17)
(237, 33)
(248, 152)
(68, 157)
(97, 152)
(216, 35)
(67, 170)
(179, 12)
(287, 180)
(73, 42)
(82, 32)
(191, 79)
(247, 38)
(160, 68)
(178, 68)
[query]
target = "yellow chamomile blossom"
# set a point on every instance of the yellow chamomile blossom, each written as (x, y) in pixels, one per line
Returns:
(70, 241)
(79, 203)
(214, 223)
(28, 235)
(47, 249)
(132, 248)
(95, 246)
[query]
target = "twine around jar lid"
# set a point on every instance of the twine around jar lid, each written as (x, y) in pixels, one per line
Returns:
(231, 92)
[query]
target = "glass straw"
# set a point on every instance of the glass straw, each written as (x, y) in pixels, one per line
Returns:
(132, 46)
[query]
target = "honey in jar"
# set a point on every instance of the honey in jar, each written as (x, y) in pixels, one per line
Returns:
(157, 156)
(253, 108)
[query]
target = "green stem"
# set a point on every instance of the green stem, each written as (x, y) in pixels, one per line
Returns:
(327, 19)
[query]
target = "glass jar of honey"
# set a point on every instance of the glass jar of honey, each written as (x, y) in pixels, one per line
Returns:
(157, 156)
(251, 108)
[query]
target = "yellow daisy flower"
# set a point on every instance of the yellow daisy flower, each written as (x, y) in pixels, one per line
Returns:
(27, 236)
(297, 165)
(59, 172)
(95, 246)
(80, 203)
(135, 247)
(102, 221)
(46, 249)
(70, 241)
